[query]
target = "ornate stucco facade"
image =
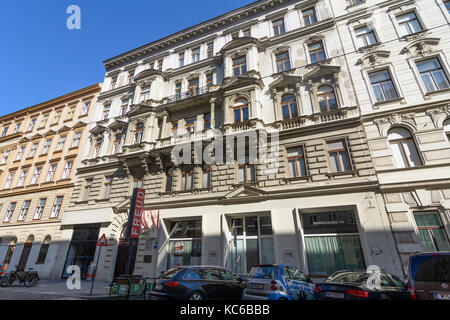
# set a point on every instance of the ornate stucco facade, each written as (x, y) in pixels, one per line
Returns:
(40, 151)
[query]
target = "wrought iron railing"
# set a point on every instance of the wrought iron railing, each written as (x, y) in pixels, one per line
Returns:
(187, 94)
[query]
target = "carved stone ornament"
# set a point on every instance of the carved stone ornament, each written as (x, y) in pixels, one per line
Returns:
(383, 124)
(372, 59)
(422, 47)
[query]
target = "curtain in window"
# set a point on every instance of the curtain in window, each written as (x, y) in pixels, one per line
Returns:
(330, 253)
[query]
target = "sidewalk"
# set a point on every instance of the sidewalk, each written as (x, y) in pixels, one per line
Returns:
(55, 290)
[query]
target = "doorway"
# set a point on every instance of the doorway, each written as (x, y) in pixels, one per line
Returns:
(25, 253)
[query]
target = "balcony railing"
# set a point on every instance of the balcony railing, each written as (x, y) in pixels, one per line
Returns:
(188, 94)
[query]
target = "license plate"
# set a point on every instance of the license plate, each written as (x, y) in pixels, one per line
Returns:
(336, 295)
(158, 287)
(442, 296)
(256, 286)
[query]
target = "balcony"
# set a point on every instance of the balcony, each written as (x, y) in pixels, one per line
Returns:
(199, 91)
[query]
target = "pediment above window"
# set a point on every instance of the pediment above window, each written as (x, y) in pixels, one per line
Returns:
(245, 191)
(374, 58)
(138, 109)
(98, 130)
(49, 133)
(24, 140)
(241, 42)
(322, 71)
(63, 129)
(285, 81)
(79, 124)
(149, 74)
(117, 125)
(242, 81)
(37, 136)
(421, 47)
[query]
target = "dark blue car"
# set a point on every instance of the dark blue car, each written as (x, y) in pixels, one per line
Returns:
(197, 283)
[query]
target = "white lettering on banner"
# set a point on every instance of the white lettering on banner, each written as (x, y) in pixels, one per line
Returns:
(137, 217)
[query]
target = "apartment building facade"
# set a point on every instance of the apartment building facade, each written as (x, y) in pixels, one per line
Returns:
(273, 69)
(40, 147)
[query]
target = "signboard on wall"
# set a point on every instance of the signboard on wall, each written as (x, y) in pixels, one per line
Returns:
(137, 215)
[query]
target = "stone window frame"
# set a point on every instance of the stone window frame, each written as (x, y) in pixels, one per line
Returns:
(232, 107)
(361, 24)
(86, 189)
(327, 154)
(284, 151)
(416, 143)
(441, 4)
(441, 211)
(313, 87)
(278, 95)
(412, 61)
(380, 67)
(281, 50)
(312, 40)
(170, 171)
(396, 11)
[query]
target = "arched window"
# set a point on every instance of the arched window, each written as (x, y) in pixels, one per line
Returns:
(44, 250)
(403, 148)
(289, 107)
(447, 128)
(326, 99)
(138, 133)
(240, 109)
(11, 248)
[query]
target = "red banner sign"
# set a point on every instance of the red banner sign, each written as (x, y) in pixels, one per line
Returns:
(138, 211)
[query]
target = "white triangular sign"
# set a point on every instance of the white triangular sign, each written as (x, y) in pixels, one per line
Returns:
(102, 242)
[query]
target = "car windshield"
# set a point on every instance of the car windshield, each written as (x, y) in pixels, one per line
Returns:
(172, 272)
(353, 277)
(262, 272)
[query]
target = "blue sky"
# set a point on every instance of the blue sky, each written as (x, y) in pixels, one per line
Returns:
(41, 59)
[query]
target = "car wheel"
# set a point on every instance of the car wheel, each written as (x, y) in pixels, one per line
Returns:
(196, 296)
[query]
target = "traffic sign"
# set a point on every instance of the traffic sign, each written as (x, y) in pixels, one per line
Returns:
(102, 242)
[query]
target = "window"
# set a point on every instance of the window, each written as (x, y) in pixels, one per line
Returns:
(240, 110)
(5, 156)
(409, 23)
(210, 50)
(10, 252)
(254, 244)
(447, 6)
(40, 209)
(47, 144)
(44, 120)
(36, 175)
(71, 113)
(382, 86)
(209, 80)
(278, 27)
(246, 33)
(403, 148)
(22, 178)
(239, 65)
(296, 162)
(195, 55)
(185, 243)
(326, 99)
(113, 82)
(44, 250)
(20, 153)
(206, 177)
(235, 35)
(61, 142)
(365, 36)
(23, 212)
(316, 52)
(76, 140)
(97, 148)
(433, 75)
(31, 125)
(446, 125)
(309, 16)
(5, 131)
(130, 77)
(57, 117)
(145, 94)
(138, 133)
(282, 61)
(9, 180)
(193, 87)
(431, 231)
(107, 187)
(10, 211)
(33, 149)
(207, 121)
(67, 170)
(339, 156)
(116, 144)
(106, 110)
(51, 172)
(187, 180)
(56, 209)
(181, 60)
(159, 64)
(174, 127)
(246, 173)
(124, 108)
(17, 127)
(138, 183)
(169, 180)
(332, 242)
(289, 107)
(85, 109)
(353, 2)
(87, 189)
(178, 90)
(190, 125)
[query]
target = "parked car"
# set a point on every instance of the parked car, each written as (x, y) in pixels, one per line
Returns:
(197, 283)
(353, 285)
(429, 276)
(277, 282)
